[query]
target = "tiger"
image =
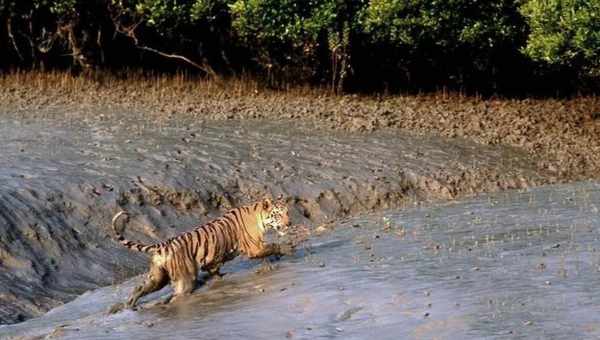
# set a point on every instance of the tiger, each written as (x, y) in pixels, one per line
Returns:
(207, 247)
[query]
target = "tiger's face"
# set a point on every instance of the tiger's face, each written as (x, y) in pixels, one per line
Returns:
(275, 215)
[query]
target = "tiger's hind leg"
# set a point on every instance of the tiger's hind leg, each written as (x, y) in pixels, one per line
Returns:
(155, 280)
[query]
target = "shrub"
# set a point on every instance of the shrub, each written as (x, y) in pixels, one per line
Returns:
(564, 33)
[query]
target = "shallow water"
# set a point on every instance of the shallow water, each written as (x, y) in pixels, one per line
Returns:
(62, 178)
(517, 264)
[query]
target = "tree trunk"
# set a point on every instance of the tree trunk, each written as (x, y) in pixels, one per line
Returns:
(340, 57)
(79, 40)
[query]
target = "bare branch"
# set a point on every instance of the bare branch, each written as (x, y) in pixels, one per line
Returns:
(207, 70)
(12, 38)
(129, 31)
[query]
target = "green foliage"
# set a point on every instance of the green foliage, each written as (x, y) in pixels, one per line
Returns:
(328, 40)
(167, 16)
(313, 33)
(416, 24)
(276, 21)
(206, 10)
(564, 32)
(173, 18)
(63, 7)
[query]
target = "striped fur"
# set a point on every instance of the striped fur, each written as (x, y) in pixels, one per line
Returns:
(178, 259)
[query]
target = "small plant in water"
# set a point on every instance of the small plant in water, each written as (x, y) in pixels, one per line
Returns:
(387, 224)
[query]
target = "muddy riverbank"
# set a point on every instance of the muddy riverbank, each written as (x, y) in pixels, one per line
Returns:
(562, 134)
(512, 265)
(62, 177)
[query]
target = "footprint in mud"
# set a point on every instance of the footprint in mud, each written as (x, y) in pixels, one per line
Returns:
(346, 315)
(60, 332)
(121, 306)
(266, 267)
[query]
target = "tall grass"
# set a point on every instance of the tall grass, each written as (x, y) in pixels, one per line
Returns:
(154, 83)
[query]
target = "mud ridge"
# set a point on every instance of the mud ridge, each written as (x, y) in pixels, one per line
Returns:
(62, 180)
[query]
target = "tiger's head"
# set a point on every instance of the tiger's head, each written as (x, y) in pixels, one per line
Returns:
(275, 215)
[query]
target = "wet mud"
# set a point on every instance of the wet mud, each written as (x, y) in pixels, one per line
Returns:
(62, 177)
(511, 265)
(561, 133)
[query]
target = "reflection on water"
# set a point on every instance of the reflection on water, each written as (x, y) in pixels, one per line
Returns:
(508, 265)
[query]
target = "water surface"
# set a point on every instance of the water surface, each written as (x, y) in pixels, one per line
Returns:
(517, 264)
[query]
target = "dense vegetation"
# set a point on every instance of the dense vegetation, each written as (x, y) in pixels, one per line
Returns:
(514, 46)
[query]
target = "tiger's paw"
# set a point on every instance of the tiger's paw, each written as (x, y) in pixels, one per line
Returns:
(117, 307)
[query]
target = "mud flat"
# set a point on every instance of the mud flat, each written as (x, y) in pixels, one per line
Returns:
(562, 134)
(62, 178)
(516, 264)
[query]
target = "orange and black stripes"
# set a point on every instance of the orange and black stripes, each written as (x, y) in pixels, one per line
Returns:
(178, 259)
(212, 242)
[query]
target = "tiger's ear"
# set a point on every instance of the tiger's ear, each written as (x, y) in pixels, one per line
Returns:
(267, 204)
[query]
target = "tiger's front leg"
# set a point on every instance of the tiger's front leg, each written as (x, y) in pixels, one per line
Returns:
(270, 249)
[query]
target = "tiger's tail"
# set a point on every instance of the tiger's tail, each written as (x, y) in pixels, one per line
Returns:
(137, 246)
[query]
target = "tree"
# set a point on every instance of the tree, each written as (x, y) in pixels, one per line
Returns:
(199, 28)
(451, 37)
(27, 32)
(565, 33)
(315, 34)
